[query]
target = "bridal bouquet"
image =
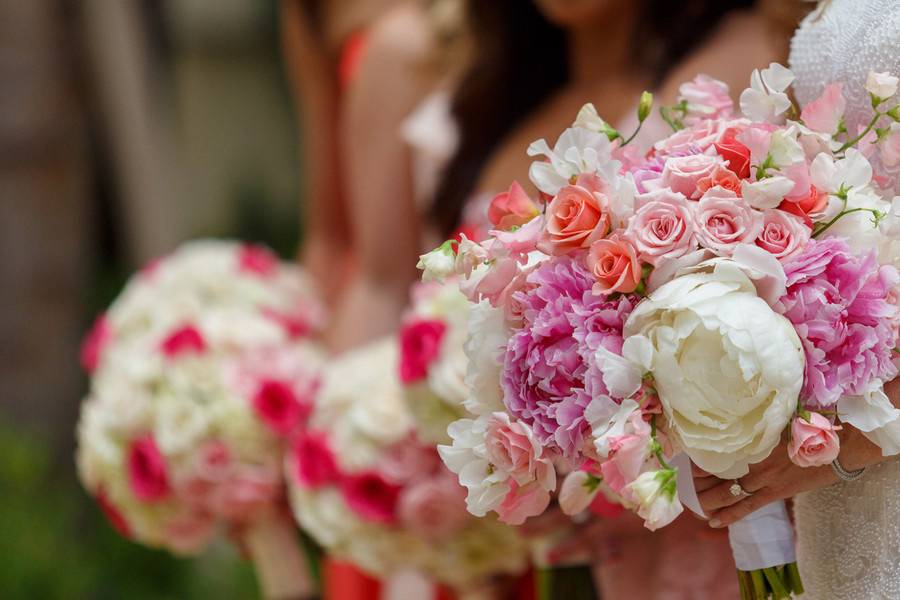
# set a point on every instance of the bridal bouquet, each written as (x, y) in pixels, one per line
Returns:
(368, 490)
(737, 282)
(200, 371)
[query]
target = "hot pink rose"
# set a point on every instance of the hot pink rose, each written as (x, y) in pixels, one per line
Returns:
(434, 508)
(614, 263)
(183, 340)
(95, 342)
(513, 449)
(371, 496)
(576, 217)
(512, 208)
(662, 228)
(682, 173)
(278, 406)
(783, 234)
(148, 475)
(813, 442)
(721, 177)
(707, 98)
(257, 260)
(314, 461)
(824, 113)
(523, 501)
(420, 345)
(724, 221)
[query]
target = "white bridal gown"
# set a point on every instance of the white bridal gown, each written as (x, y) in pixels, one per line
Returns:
(849, 533)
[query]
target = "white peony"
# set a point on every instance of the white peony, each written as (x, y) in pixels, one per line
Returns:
(728, 369)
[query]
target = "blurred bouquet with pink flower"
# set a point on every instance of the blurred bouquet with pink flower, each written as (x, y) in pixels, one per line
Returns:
(736, 282)
(371, 492)
(200, 371)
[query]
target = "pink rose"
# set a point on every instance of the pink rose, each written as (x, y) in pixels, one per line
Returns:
(614, 263)
(707, 98)
(523, 501)
(724, 221)
(512, 208)
(512, 448)
(720, 177)
(371, 496)
(662, 228)
(183, 340)
(314, 462)
(257, 260)
(813, 442)
(147, 472)
(824, 113)
(576, 217)
(249, 490)
(682, 173)
(95, 342)
(697, 138)
(434, 508)
(420, 345)
(277, 405)
(783, 234)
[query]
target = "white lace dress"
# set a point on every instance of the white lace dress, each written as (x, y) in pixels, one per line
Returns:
(849, 533)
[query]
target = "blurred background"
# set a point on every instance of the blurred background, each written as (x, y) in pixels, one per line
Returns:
(126, 127)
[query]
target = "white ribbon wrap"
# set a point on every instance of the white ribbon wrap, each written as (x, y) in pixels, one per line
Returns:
(762, 539)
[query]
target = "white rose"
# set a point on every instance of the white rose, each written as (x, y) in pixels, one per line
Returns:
(881, 85)
(728, 369)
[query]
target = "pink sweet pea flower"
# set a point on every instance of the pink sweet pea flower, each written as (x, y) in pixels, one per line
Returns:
(627, 455)
(371, 496)
(512, 208)
(95, 342)
(523, 501)
(420, 345)
(783, 235)
(578, 491)
(513, 449)
(663, 229)
(257, 260)
(707, 98)
(576, 217)
(315, 464)
(614, 263)
(183, 340)
(824, 113)
(147, 472)
(724, 221)
(813, 442)
(278, 406)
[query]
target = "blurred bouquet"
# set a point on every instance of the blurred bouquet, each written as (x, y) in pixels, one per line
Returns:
(736, 282)
(367, 489)
(200, 371)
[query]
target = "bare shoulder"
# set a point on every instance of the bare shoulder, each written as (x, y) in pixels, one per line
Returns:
(402, 37)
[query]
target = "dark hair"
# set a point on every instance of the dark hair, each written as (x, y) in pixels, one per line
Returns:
(520, 60)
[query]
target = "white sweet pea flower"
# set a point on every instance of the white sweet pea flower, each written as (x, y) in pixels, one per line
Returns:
(578, 490)
(784, 149)
(766, 193)
(874, 415)
(860, 229)
(577, 151)
(608, 420)
(881, 85)
(438, 264)
(621, 376)
(484, 348)
(657, 495)
(727, 368)
(765, 99)
(829, 175)
(589, 119)
(466, 457)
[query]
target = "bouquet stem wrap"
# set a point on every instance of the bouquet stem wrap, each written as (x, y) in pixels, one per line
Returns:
(279, 562)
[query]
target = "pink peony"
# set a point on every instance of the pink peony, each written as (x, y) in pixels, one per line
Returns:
(813, 442)
(512, 208)
(95, 342)
(420, 345)
(707, 98)
(257, 260)
(724, 221)
(434, 508)
(278, 406)
(576, 217)
(825, 112)
(183, 340)
(314, 461)
(839, 304)
(662, 228)
(371, 496)
(681, 174)
(782, 234)
(614, 264)
(147, 472)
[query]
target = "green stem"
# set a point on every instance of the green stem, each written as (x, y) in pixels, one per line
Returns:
(774, 578)
(864, 133)
(633, 135)
(843, 213)
(793, 578)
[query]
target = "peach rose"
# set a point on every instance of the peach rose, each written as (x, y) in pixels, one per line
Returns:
(721, 177)
(813, 442)
(614, 263)
(576, 217)
(812, 203)
(682, 173)
(783, 234)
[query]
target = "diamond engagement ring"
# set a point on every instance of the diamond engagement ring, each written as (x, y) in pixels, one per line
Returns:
(737, 491)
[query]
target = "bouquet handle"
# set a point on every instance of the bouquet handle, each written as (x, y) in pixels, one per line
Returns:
(280, 564)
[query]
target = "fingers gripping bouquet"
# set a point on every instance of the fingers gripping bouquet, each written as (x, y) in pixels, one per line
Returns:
(200, 372)
(366, 488)
(736, 284)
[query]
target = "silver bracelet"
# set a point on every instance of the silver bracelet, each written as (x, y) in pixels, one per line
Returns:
(843, 473)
